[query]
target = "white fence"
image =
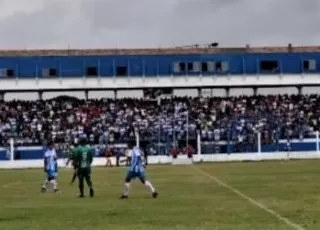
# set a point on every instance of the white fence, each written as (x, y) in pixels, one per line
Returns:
(22, 164)
(257, 156)
(259, 145)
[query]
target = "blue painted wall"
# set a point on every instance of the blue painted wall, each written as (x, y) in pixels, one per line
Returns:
(153, 65)
(4, 155)
(27, 153)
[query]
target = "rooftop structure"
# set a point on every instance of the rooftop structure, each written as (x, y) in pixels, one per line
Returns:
(160, 51)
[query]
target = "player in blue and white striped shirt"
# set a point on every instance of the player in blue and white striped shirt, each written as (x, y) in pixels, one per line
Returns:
(50, 168)
(137, 169)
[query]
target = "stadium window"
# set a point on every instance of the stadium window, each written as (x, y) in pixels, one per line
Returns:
(121, 71)
(204, 67)
(176, 67)
(49, 72)
(211, 66)
(3, 72)
(182, 66)
(92, 71)
(10, 73)
(218, 66)
(224, 66)
(190, 66)
(269, 66)
(309, 65)
(45, 72)
(196, 66)
(52, 72)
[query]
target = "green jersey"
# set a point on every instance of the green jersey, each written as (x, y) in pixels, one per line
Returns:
(83, 156)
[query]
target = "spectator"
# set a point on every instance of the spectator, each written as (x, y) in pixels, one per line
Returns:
(176, 120)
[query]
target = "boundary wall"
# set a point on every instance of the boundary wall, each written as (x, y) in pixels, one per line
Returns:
(153, 160)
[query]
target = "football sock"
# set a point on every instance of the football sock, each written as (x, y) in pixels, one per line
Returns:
(126, 188)
(54, 184)
(44, 186)
(149, 186)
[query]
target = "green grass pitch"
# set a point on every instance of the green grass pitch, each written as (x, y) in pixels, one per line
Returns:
(257, 196)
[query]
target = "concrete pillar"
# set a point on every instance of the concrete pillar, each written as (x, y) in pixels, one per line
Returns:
(40, 95)
(255, 91)
(2, 95)
(199, 92)
(86, 94)
(227, 92)
(115, 94)
(299, 90)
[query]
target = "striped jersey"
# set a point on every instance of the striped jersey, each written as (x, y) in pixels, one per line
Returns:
(136, 160)
(50, 158)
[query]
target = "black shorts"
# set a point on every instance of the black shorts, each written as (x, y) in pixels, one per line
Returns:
(84, 172)
(50, 178)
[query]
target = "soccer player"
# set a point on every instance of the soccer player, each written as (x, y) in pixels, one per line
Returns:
(50, 168)
(83, 157)
(137, 169)
(71, 158)
(108, 154)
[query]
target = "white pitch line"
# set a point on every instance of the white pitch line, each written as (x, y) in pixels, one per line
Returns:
(252, 201)
(11, 184)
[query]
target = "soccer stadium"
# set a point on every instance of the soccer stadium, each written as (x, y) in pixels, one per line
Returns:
(219, 159)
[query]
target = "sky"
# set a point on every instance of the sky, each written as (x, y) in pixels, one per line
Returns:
(156, 23)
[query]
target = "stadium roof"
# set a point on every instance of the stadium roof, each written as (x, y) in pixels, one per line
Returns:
(154, 51)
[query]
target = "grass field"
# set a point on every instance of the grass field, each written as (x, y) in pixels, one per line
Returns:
(233, 196)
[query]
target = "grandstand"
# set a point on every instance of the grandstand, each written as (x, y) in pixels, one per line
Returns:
(158, 121)
(199, 129)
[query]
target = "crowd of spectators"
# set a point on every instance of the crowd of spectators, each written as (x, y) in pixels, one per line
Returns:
(65, 119)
